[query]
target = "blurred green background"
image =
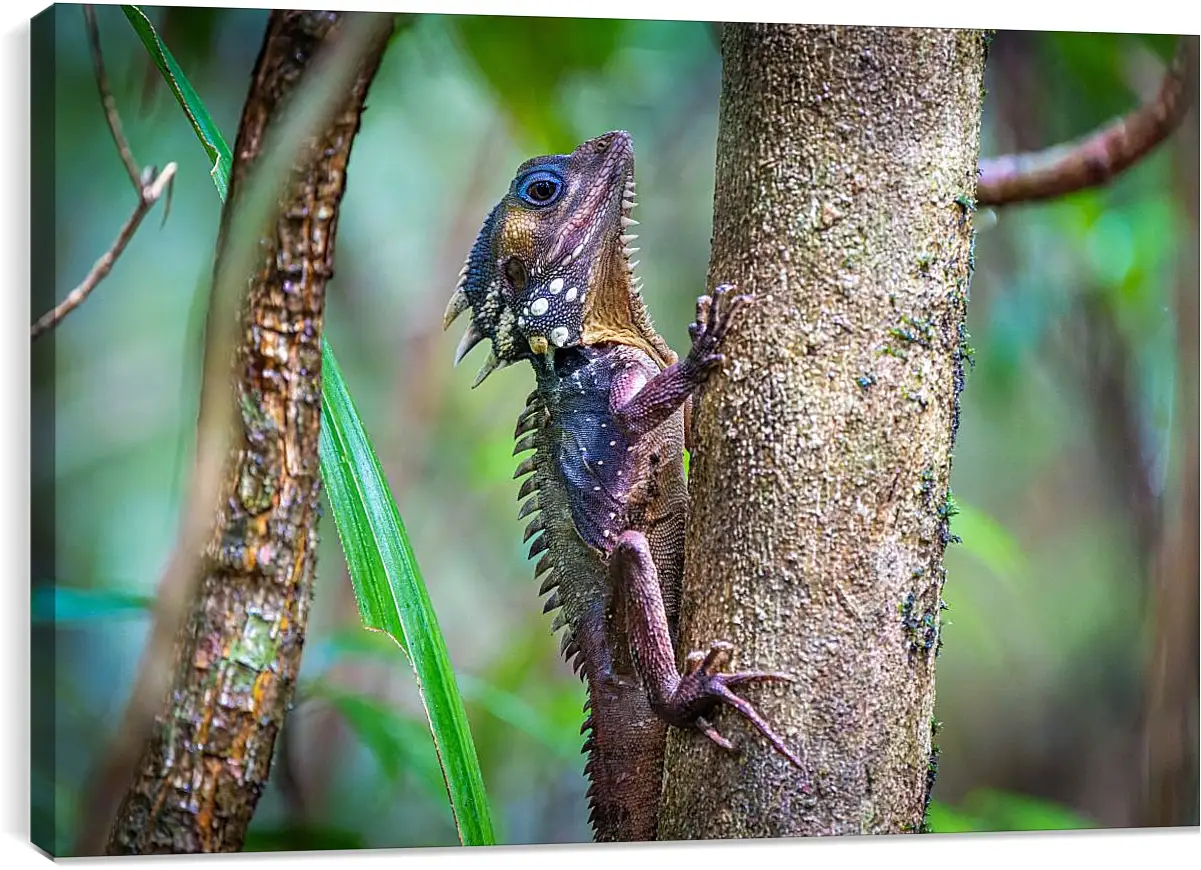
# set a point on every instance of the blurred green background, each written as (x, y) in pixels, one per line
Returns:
(1066, 443)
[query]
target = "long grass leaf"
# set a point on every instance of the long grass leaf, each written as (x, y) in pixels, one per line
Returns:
(392, 596)
(206, 130)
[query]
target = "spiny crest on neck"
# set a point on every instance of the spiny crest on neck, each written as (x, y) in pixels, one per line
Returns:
(552, 266)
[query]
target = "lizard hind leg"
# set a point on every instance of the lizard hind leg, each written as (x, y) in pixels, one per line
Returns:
(683, 700)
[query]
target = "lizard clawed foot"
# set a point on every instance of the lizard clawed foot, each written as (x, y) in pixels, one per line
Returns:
(714, 316)
(703, 687)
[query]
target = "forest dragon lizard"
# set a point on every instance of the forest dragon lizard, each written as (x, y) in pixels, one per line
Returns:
(550, 280)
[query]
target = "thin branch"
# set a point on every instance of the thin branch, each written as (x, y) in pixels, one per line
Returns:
(148, 196)
(1098, 157)
(106, 100)
(149, 184)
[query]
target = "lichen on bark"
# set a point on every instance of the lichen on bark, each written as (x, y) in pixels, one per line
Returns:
(846, 169)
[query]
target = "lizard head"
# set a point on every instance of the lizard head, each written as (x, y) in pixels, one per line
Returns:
(551, 266)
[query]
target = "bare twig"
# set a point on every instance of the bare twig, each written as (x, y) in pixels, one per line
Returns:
(148, 196)
(106, 100)
(149, 184)
(1098, 157)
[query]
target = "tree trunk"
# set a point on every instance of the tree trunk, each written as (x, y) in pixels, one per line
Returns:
(846, 169)
(1170, 728)
(238, 653)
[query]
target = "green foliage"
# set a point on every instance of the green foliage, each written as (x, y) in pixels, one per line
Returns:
(206, 131)
(1163, 44)
(516, 712)
(989, 810)
(488, 694)
(398, 743)
(987, 541)
(1097, 65)
(391, 594)
(526, 62)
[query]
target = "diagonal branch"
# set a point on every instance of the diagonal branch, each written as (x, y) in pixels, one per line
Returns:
(147, 197)
(149, 184)
(1100, 156)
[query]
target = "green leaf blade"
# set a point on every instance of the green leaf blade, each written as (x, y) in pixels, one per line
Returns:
(392, 596)
(206, 129)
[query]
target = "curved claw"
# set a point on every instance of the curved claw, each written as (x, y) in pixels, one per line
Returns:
(748, 712)
(706, 728)
(720, 653)
(704, 305)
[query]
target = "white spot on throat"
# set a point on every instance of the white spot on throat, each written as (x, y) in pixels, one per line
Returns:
(539, 306)
(556, 286)
(558, 336)
(570, 294)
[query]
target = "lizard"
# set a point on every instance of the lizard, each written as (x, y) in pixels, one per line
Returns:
(550, 280)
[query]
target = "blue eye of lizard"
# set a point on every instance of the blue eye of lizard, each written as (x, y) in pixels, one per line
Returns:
(540, 188)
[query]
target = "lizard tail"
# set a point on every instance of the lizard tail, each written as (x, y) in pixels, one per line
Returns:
(621, 733)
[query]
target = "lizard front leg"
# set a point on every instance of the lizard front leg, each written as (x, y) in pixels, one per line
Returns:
(683, 700)
(640, 402)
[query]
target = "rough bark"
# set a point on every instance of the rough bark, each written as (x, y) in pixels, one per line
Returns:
(846, 168)
(238, 653)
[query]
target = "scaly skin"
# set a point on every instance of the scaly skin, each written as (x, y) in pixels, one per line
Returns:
(550, 280)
